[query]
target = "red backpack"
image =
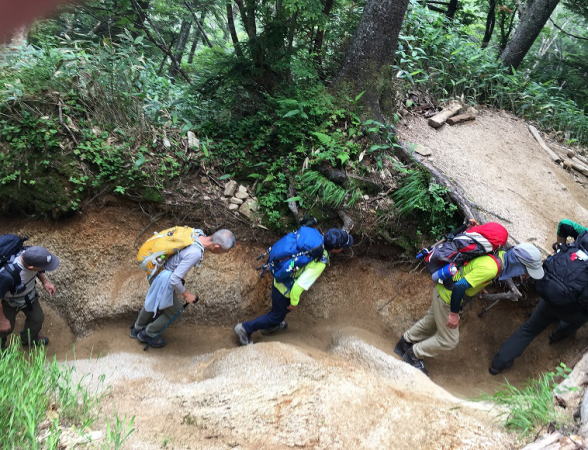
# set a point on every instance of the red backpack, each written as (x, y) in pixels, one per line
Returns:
(462, 247)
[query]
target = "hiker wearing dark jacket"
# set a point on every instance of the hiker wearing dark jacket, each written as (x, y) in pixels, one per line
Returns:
(564, 300)
(285, 300)
(18, 292)
(438, 330)
(567, 228)
(167, 294)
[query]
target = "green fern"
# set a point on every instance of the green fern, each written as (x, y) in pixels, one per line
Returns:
(318, 189)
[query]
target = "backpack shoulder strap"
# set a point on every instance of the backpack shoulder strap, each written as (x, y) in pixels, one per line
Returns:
(11, 272)
(498, 262)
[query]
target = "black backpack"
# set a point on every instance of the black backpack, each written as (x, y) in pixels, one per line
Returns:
(10, 246)
(566, 274)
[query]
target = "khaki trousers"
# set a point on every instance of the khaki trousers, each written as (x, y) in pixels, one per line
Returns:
(431, 335)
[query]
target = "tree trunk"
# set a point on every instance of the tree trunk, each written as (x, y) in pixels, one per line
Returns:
(317, 47)
(490, 22)
(530, 26)
(195, 40)
(233, 31)
(372, 50)
(185, 28)
(451, 9)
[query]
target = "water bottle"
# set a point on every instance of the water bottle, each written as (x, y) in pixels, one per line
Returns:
(424, 252)
(444, 273)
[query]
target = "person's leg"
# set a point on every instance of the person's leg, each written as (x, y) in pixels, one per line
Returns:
(278, 312)
(425, 327)
(156, 327)
(516, 344)
(569, 322)
(143, 319)
(444, 339)
(33, 324)
(10, 314)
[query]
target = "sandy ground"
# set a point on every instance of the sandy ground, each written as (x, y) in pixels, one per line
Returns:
(503, 171)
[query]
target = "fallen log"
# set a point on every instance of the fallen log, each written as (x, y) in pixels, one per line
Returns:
(554, 156)
(439, 119)
(584, 416)
(500, 296)
(544, 442)
(568, 393)
(461, 118)
(576, 165)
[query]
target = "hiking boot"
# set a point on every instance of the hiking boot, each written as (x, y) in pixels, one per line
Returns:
(402, 346)
(495, 371)
(155, 341)
(41, 340)
(556, 337)
(281, 326)
(134, 332)
(244, 337)
(411, 359)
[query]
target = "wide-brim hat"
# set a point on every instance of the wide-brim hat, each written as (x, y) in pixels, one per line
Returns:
(530, 257)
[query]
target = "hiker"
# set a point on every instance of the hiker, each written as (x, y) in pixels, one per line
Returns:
(564, 300)
(567, 228)
(18, 292)
(167, 295)
(438, 330)
(286, 291)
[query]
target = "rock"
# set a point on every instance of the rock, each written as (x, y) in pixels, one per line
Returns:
(193, 141)
(366, 197)
(422, 150)
(233, 207)
(235, 201)
(230, 188)
(249, 209)
(166, 142)
(242, 195)
(206, 198)
(204, 180)
(242, 189)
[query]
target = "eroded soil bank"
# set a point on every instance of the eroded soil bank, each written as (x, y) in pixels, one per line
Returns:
(330, 380)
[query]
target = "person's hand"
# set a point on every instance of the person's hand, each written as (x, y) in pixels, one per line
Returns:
(189, 297)
(473, 222)
(49, 287)
(292, 307)
(4, 324)
(453, 320)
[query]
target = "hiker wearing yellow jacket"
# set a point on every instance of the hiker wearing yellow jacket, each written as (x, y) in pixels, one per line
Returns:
(438, 330)
(285, 300)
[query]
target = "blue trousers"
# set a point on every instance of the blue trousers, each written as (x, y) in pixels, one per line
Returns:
(274, 317)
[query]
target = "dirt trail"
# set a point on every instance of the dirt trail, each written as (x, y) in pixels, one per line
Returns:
(505, 173)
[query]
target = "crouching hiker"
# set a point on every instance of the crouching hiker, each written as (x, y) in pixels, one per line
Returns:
(18, 290)
(296, 261)
(564, 301)
(438, 330)
(567, 229)
(168, 256)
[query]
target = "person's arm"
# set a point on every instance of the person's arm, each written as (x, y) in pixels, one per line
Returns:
(5, 286)
(309, 275)
(457, 294)
(568, 228)
(47, 285)
(189, 259)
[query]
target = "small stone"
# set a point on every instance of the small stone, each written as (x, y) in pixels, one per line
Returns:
(248, 209)
(235, 201)
(242, 195)
(242, 189)
(206, 198)
(193, 141)
(166, 142)
(204, 180)
(230, 188)
(422, 150)
(233, 207)
(366, 197)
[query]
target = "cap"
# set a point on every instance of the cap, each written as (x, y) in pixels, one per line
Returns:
(530, 257)
(40, 258)
(336, 238)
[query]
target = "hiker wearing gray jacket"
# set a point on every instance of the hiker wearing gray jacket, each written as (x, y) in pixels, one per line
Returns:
(167, 294)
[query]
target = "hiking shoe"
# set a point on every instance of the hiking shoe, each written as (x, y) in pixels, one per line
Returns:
(494, 371)
(244, 337)
(134, 332)
(402, 346)
(281, 326)
(155, 341)
(41, 340)
(411, 359)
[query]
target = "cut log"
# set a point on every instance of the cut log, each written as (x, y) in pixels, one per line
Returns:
(461, 118)
(544, 442)
(554, 156)
(576, 165)
(500, 296)
(439, 119)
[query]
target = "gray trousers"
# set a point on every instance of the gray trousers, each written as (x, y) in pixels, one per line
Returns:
(431, 335)
(154, 327)
(34, 318)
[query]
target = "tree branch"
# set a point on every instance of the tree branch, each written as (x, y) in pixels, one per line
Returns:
(566, 32)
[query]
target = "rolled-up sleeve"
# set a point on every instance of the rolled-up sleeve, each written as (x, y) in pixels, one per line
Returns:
(190, 257)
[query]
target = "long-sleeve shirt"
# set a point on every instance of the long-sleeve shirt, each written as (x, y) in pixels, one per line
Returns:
(303, 279)
(181, 263)
(568, 228)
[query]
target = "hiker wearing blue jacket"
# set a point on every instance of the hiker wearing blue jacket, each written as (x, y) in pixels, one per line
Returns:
(286, 299)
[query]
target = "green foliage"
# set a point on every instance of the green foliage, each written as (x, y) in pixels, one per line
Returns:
(531, 407)
(426, 203)
(444, 62)
(33, 390)
(324, 192)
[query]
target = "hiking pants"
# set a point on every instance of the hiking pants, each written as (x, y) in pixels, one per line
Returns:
(544, 314)
(154, 327)
(278, 313)
(34, 318)
(431, 335)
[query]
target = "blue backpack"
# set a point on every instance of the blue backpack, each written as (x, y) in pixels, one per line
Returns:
(292, 252)
(10, 246)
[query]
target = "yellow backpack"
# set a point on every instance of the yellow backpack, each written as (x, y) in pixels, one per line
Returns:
(158, 248)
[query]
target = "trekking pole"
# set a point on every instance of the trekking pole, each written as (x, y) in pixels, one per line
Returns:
(173, 319)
